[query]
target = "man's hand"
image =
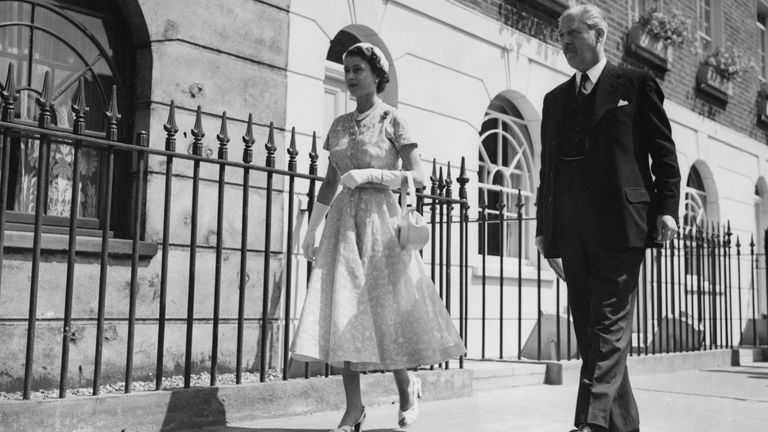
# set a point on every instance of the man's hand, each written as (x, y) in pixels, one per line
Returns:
(539, 242)
(666, 228)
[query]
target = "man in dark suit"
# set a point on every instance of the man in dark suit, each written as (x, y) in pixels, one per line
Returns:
(601, 203)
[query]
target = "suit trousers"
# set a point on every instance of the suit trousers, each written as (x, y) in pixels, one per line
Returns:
(601, 294)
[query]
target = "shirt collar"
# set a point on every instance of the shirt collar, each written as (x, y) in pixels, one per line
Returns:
(594, 72)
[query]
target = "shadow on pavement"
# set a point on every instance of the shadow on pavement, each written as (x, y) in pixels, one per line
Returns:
(755, 373)
(260, 429)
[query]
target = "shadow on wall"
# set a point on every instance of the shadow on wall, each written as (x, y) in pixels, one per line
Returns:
(194, 408)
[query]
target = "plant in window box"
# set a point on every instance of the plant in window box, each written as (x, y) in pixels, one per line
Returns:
(719, 69)
(656, 34)
(762, 103)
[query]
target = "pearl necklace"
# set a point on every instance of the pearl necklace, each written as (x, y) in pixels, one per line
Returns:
(363, 116)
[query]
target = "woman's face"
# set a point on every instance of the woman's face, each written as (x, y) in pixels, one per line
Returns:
(358, 76)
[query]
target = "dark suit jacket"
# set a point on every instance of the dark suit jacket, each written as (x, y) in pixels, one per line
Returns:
(628, 125)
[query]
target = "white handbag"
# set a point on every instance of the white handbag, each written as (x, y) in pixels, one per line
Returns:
(412, 229)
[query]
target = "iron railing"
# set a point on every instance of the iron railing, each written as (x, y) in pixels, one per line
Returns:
(278, 191)
(698, 292)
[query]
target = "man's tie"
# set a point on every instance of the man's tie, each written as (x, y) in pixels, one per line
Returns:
(584, 85)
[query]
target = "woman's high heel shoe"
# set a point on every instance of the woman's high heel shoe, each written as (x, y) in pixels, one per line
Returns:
(407, 417)
(357, 427)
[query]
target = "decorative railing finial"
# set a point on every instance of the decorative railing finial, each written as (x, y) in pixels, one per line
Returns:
(45, 104)
(79, 108)
(292, 152)
(248, 140)
(171, 128)
(197, 133)
(223, 137)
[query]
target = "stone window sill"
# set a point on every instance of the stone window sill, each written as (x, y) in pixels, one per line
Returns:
(58, 243)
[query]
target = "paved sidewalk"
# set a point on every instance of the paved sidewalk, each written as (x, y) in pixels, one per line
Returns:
(728, 399)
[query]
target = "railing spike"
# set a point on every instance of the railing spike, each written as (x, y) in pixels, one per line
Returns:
(171, 129)
(292, 146)
(79, 108)
(197, 133)
(112, 115)
(8, 95)
(45, 104)
(248, 140)
(462, 179)
(292, 152)
(170, 124)
(313, 152)
(270, 146)
(223, 137)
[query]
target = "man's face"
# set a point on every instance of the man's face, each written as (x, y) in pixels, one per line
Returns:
(580, 44)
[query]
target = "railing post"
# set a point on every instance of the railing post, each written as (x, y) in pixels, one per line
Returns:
(79, 109)
(738, 278)
(112, 117)
(171, 129)
(45, 106)
(223, 139)
(752, 270)
(462, 179)
(248, 142)
(292, 167)
(141, 142)
(270, 162)
(519, 206)
(500, 207)
(484, 250)
(313, 156)
(197, 150)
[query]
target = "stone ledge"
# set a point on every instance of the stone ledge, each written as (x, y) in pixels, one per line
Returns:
(567, 372)
(216, 406)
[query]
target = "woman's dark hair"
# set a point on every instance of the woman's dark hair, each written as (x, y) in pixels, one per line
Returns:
(374, 62)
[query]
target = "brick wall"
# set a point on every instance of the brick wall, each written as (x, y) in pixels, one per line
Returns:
(739, 29)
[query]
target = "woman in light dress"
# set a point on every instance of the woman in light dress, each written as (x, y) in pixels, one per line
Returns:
(370, 305)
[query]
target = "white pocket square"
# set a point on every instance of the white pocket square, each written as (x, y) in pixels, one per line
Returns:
(622, 102)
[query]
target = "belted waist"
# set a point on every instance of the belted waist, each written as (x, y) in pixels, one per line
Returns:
(370, 185)
(571, 158)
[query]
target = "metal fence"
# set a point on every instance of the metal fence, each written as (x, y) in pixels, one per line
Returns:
(698, 292)
(278, 194)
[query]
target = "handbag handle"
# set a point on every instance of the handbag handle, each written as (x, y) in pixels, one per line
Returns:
(407, 194)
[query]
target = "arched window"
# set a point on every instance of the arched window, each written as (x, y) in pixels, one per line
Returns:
(695, 216)
(70, 40)
(695, 199)
(506, 170)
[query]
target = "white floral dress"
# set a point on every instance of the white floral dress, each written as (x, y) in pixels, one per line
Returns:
(369, 302)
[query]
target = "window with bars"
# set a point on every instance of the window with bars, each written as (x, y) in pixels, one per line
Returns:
(506, 172)
(68, 40)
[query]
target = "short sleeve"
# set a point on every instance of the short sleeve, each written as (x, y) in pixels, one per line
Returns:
(398, 131)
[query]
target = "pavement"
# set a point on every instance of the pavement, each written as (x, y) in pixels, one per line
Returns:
(723, 399)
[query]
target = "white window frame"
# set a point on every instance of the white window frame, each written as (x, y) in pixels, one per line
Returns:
(521, 164)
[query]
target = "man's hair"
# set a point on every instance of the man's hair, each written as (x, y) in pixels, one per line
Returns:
(590, 15)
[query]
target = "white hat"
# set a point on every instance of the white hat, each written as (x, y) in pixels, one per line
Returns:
(370, 47)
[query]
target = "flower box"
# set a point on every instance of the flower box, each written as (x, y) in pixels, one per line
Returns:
(712, 84)
(649, 47)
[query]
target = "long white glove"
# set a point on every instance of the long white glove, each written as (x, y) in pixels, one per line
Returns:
(309, 246)
(354, 178)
